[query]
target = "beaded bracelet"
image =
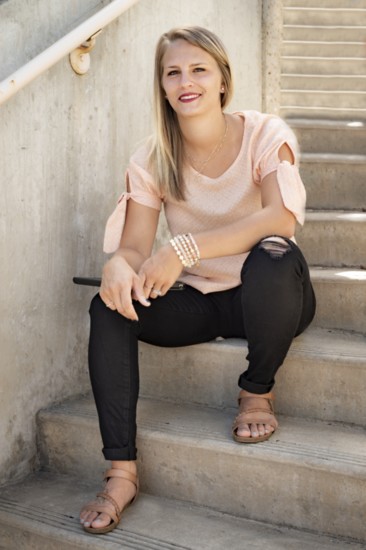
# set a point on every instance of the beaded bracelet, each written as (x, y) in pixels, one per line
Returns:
(186, 249)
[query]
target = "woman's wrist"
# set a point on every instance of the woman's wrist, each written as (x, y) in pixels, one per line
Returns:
(186, 249)
(128, 257)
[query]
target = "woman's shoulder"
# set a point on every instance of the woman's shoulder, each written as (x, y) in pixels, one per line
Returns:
(263, 129)
(257, 121)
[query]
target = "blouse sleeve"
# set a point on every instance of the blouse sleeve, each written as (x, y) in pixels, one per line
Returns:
(141, 188)
(273, 134)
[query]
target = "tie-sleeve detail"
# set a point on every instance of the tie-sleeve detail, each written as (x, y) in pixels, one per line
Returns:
(269, 139)
(292, 189)
(115, 223)
(141, 189)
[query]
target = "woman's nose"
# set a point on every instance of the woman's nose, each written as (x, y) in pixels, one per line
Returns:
(185, 80)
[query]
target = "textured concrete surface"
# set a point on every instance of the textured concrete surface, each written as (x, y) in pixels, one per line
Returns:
(334, 238)
(334, 181)
(42, 514)
(207, 374)
(323, 60)
(335, 136)
(310, 474)
(341, 300)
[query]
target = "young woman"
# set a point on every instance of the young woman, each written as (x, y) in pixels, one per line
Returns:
(232, 194)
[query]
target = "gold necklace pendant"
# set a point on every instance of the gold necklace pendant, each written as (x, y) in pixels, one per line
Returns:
(213, 153)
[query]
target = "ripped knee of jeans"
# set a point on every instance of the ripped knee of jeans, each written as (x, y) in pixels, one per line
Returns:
(275, 246)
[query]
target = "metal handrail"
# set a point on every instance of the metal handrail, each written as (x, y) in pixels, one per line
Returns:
(62, 47)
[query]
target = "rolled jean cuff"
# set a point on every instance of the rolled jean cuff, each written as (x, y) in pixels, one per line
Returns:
(126, 453)
(252, 387)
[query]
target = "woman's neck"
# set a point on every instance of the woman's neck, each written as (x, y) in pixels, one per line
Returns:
(201, 134)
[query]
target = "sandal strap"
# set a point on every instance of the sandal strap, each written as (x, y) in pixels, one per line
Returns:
(107, 507)
(123, 474)
(110, 499)
(267, 396)
(117, 472)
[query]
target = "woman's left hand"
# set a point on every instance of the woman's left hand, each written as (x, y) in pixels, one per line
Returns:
(160, 271)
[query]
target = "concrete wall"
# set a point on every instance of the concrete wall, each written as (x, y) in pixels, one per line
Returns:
(272, 36)
(64, 144)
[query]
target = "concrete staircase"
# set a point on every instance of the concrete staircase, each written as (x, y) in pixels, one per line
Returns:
(305, 488)
(324, 58)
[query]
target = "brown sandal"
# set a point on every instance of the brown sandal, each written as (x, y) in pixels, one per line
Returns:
(254, 415)
(105, 504)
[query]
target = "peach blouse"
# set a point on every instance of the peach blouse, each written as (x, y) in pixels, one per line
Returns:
(215, 202)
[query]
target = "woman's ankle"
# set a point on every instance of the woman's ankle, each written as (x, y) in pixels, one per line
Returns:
(245, 393)
(126, 465)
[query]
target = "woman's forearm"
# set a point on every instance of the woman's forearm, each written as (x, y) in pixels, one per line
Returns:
(134, 258)
(242, 235)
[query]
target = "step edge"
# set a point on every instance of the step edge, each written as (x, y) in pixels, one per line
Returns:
(326, 124)
(337, 158)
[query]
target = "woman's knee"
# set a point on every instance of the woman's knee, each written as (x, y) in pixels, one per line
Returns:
(276, 247)
(269, 256)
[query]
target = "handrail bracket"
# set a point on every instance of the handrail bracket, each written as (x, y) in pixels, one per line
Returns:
(80, 58)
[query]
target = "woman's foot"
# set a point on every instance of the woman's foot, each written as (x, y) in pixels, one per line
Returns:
(256, 421)
(122, 492)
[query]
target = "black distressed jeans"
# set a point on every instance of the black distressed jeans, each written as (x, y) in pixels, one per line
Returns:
(274, 303)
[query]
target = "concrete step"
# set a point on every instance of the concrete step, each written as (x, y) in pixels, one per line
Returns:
(343, 4)
(341, 297)
(334, 113)
(343, 33)
(323, 65)
(330, 136)
(325, 99)
(309, 475)
(41, 513)
(181, 375)
(342, 16)
(334, 238)
(315, 48)
(334, 181)
(323, 82)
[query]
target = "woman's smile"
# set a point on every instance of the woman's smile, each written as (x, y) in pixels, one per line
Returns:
(187, 98)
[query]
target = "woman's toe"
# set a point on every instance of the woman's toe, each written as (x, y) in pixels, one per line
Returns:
(102, 520)
(244, 431)
(88, 518)
(254, 432)
(261, 429)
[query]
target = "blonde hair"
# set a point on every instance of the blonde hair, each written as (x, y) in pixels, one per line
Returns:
(166, 153)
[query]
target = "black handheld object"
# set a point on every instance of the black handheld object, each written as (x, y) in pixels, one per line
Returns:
(95, 281)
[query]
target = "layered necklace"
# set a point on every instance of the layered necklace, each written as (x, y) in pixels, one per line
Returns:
(213, 153)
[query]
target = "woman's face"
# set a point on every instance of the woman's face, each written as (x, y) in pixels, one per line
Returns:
(191, 79)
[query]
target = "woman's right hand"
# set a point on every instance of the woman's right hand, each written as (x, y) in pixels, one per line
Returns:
(119, 283)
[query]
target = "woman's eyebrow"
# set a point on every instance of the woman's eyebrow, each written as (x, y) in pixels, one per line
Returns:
(191, 65)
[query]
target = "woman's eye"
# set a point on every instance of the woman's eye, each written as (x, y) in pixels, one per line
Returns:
(172, 73)
(199, 69)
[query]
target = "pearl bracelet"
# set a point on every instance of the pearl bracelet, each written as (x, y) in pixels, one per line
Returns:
(186, 249)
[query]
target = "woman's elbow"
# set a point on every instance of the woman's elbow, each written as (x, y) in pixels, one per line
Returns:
(285, 223)
(288, 222)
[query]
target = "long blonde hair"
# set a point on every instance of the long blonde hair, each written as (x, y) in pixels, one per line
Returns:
(166, 153)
